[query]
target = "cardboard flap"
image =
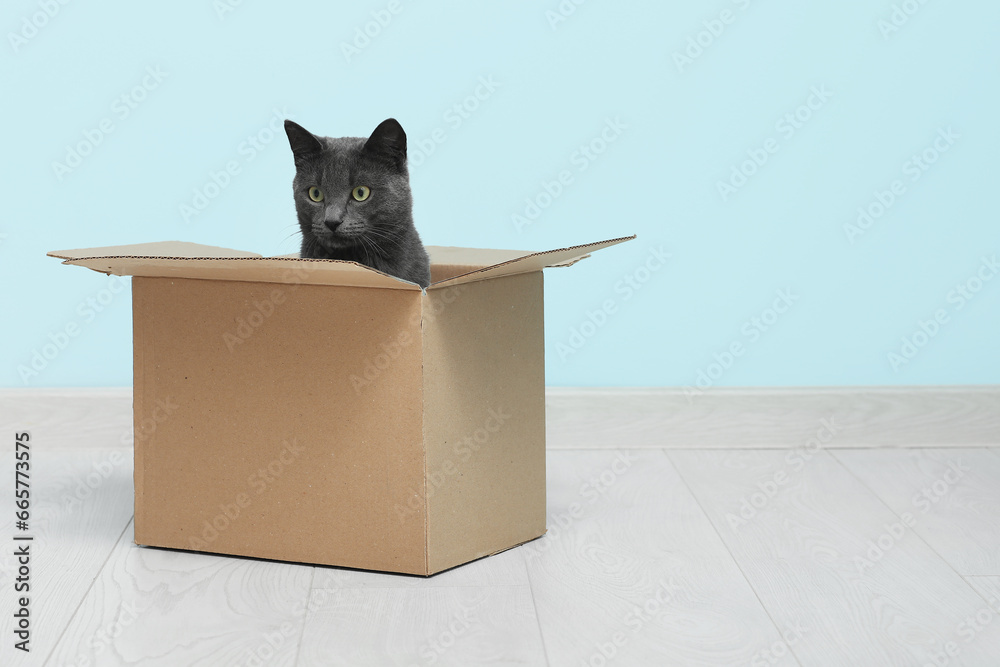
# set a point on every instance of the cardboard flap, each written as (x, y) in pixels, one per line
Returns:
(192, 260)
(525, 262)
(177, 259)
(473, 258)
(157, 249)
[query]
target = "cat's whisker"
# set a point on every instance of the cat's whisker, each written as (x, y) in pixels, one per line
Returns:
(366, 244)
(384, 236)
(312, 245)
(374, 245)
(377, 247)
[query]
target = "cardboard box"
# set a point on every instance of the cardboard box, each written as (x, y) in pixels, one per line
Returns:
(319, 411)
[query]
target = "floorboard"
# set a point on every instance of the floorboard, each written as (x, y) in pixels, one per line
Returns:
(953, 495)
(68, 418)
(769, 418)
(492, 626)
(158, 607)
(81, 504)
(633, 569)
(821, 550)
(647, 560)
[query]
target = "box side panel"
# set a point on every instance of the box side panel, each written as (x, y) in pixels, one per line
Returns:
(484, 417)
(286, 422)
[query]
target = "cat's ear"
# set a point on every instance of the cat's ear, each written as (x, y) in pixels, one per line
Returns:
(304, 144)
(388, 140)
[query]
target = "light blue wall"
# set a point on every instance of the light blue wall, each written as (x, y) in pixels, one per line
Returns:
(882, 95)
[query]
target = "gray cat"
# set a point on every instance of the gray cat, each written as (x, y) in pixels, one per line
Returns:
(352, 196)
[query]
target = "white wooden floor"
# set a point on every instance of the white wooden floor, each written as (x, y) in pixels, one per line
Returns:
(776, 550)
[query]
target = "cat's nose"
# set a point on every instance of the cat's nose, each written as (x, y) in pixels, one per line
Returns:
(332, 224)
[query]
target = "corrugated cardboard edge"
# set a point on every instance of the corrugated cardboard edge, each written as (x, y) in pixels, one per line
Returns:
(570, 255)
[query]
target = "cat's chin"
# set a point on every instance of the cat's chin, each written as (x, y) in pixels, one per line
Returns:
(339, 243)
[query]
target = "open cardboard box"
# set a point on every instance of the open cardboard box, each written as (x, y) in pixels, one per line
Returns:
(320, 411)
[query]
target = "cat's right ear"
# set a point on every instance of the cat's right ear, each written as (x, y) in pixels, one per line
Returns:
(304, 144)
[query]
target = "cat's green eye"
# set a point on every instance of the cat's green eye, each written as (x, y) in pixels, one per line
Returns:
(361, 193)
(315, 194)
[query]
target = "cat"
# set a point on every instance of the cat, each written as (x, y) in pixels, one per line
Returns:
(353, 200)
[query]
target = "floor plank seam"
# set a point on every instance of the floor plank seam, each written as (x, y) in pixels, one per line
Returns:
(86, 593)
(538, 620)
(992, 603)
(732, 556)
(914, 531)
(305, 617)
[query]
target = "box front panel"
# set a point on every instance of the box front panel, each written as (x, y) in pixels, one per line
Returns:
(279, 421)
(484, 417)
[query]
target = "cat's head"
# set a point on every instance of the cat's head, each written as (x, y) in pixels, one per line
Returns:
(351, 192)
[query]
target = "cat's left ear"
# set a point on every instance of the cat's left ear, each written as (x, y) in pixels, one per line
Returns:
(388, 140)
